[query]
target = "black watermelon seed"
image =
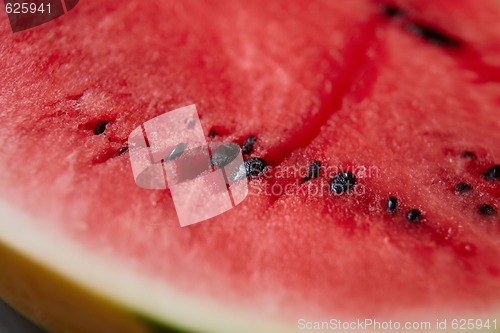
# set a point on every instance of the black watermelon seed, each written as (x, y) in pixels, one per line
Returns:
(391, 10)
(468, 154)
(432, 35)
(342, 182)
(224, 155)
(100, 127)
(255, 166)
(492, 173)
(392, 204)
(462, 188)
(176, 152)
(212, 133)
(414, 215)
(247, 146)
(487, 210)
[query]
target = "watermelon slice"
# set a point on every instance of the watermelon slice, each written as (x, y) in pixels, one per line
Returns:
(378, 123)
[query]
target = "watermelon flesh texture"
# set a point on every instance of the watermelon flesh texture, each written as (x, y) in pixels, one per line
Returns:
(341, 83)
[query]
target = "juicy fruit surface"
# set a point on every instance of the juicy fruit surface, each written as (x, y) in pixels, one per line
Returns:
(341, 83)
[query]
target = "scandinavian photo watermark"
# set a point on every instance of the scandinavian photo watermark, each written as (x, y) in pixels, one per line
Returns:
(371, 324)
(291, 180)
(170, 151)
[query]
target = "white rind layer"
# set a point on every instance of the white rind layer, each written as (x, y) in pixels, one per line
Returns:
(121, 285)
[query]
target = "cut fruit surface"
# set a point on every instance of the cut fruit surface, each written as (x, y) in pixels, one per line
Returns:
(343, 105)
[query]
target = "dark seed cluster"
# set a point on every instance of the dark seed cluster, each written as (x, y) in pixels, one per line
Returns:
(345, 181)
(491, 174)
(414, 215)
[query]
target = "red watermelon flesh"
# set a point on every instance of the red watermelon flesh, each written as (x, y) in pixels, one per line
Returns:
(341, 83)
